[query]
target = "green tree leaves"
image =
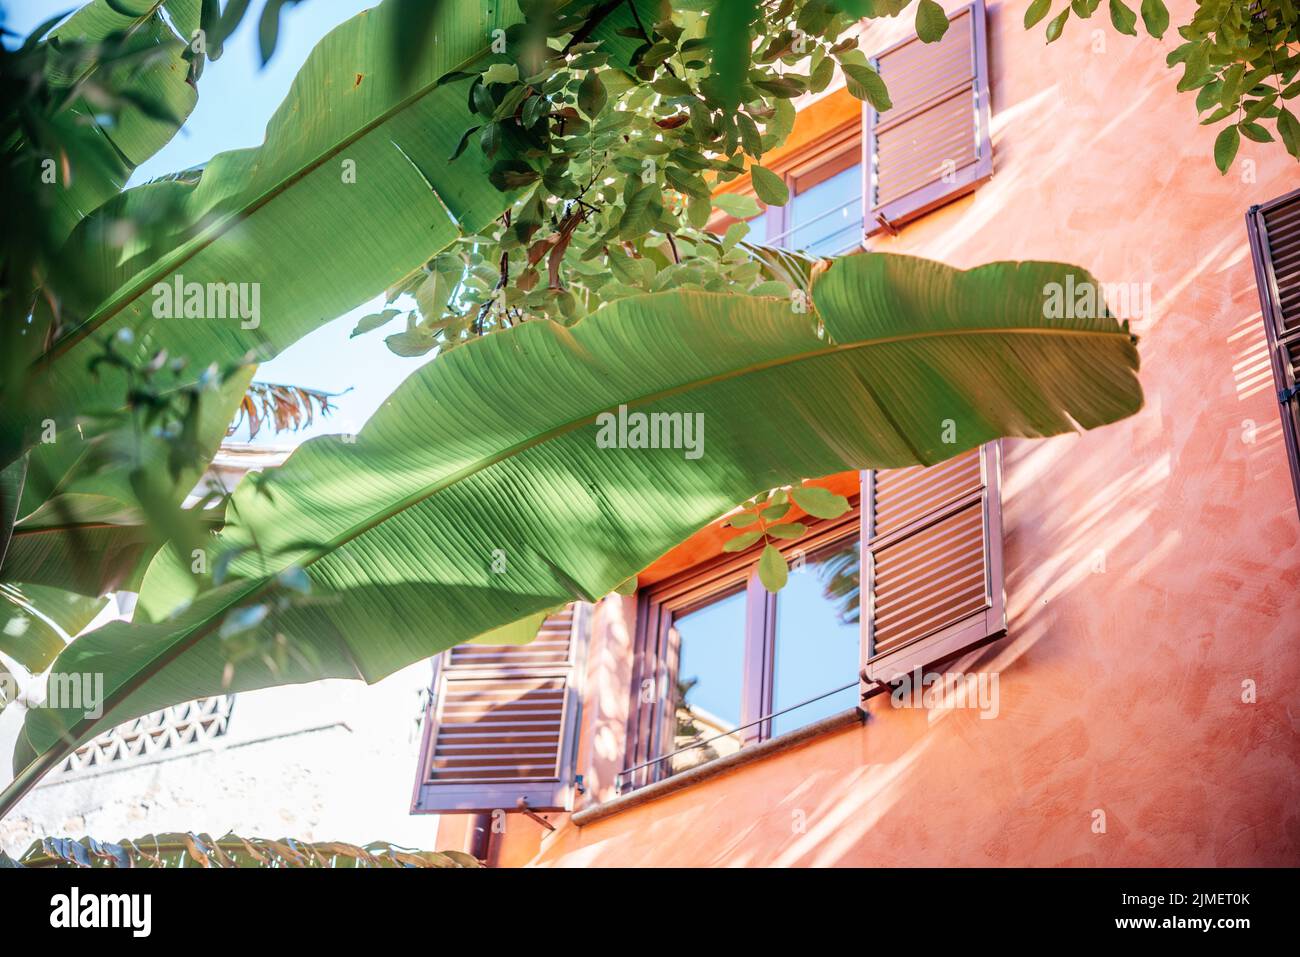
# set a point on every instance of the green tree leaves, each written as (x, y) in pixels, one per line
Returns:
(1123, 18)
(1057, 25)
(1239, 56)
(771, 189)
(1155, 16)
(819, 502)
(737, 205)
(1225, 147)
(374, 321)
(640, 211)
(931, 21)
(1288, 128)
(1036, 11)
(772, 569)
(591, 95)
(865, 83)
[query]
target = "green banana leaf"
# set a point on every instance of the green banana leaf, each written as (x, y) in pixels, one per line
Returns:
(92, 534)
(111, 153)
(494, 448)
(351, 190)
(35, 625)
(200, 850)
(36, 622)
(12, 479)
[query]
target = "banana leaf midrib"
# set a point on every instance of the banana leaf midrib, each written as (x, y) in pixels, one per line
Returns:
(66, 527)
(214, 232)
(85, 526)
(411, 501)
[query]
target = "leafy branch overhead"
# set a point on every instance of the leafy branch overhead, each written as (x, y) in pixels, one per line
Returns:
(612, 165)
(772, 517)
(1241, 58)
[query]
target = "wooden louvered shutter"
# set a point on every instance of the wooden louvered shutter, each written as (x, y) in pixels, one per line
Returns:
(933, 559)
(933, 144)
(502, 723)
(1275, 242)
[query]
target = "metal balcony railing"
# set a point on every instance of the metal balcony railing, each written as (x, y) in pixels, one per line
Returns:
(621, 779)
(852, 226)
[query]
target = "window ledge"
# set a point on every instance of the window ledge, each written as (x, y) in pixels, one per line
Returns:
(716, 767)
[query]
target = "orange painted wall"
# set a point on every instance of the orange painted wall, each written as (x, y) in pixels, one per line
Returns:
(1151, 567)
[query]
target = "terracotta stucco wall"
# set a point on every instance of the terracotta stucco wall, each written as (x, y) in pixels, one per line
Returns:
(1153, 566)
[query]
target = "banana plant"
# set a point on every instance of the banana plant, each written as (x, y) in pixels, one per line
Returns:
(500, 481)
(350, 191)
(231, 851)
(358, 141)
(36, 623)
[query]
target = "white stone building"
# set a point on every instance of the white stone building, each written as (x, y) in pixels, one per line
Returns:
(329, 760)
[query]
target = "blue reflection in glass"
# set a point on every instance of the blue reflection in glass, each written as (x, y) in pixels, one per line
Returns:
(826, 219)
(711, 661)
(817, 636)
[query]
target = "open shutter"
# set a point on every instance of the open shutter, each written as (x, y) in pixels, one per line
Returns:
(932, 554)
(1275, 242)
(933, 144)
(502, 723)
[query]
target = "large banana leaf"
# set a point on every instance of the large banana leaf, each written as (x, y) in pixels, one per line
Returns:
(124, 50)
(351, 190)
(110, 153)
(494, 447)
(200, 850)
(91, 534)
(35, 625)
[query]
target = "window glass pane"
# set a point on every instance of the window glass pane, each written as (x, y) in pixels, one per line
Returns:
(817, 636)
(826, 219)
(757, 229)
(710, 672)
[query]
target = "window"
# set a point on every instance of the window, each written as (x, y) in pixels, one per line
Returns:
(932, 145)
(910, 578)
(1274, 231)
(729, 655)
(816, 636)
(824, 214)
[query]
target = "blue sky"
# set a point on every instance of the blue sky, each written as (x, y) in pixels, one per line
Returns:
(236, 99)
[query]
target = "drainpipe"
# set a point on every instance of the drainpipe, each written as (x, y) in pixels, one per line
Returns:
(478, 843)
